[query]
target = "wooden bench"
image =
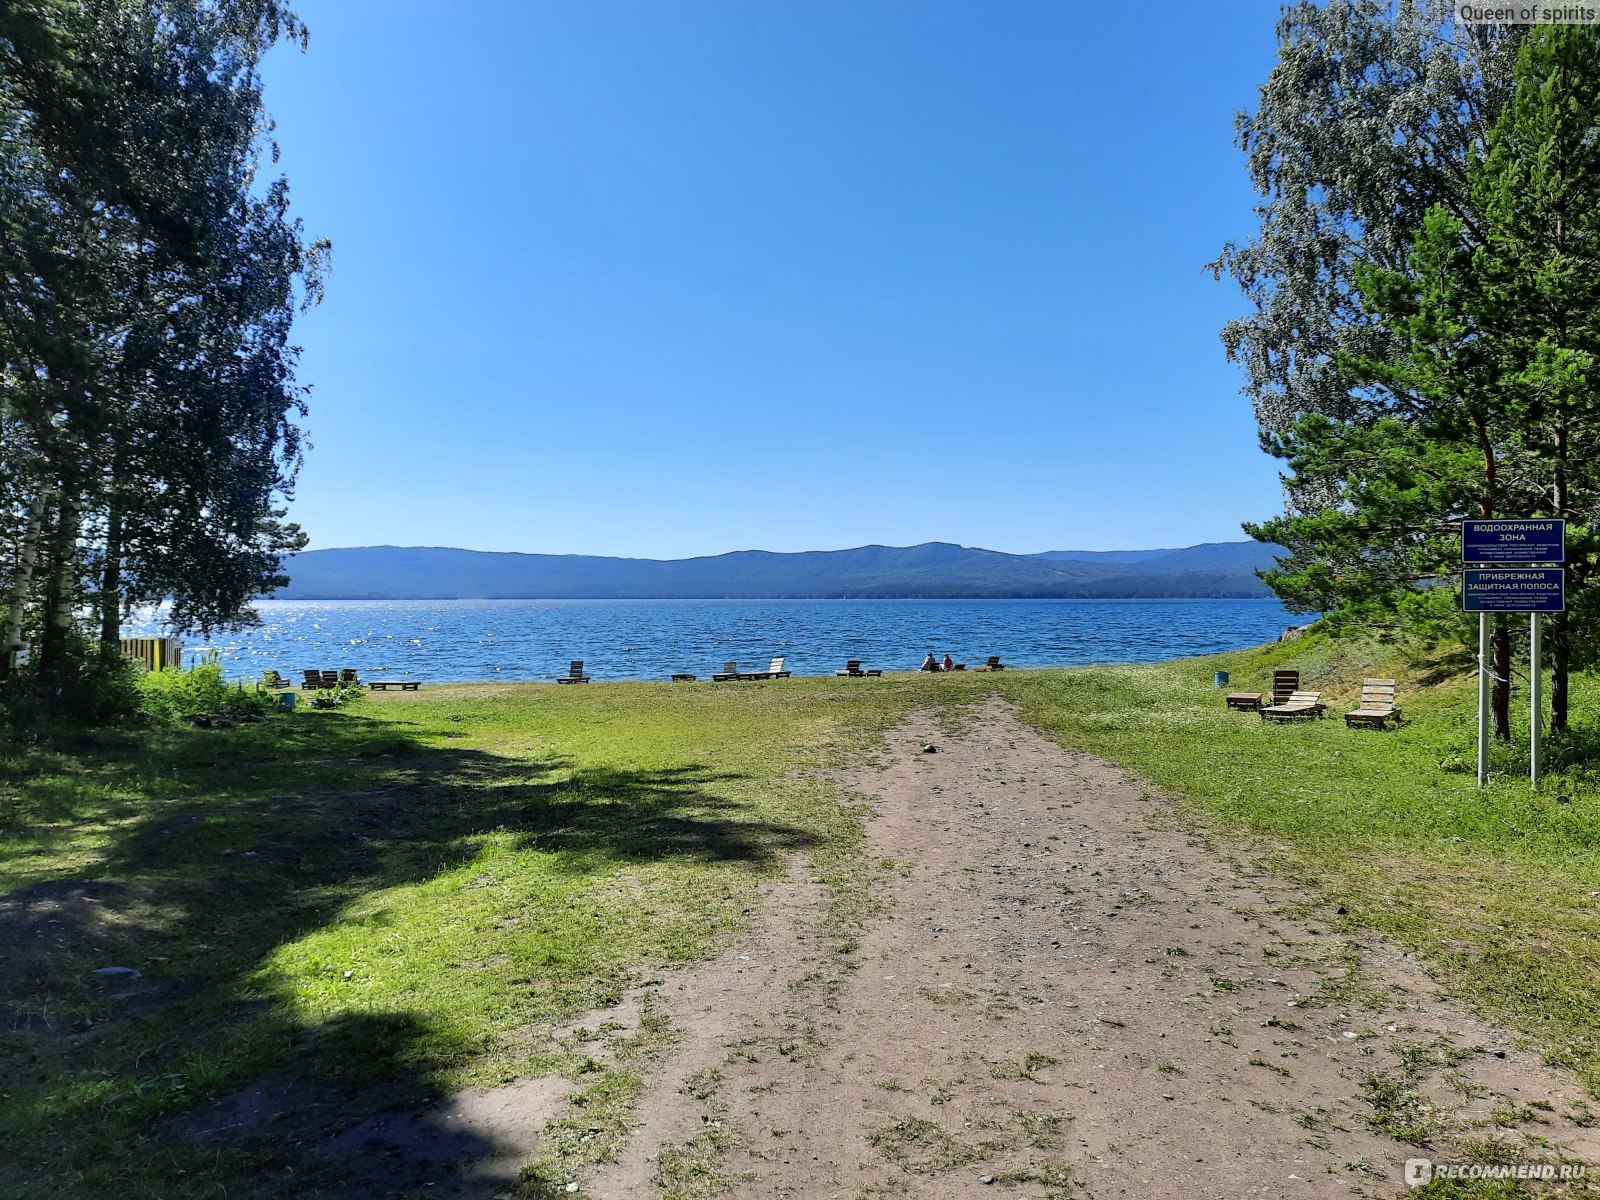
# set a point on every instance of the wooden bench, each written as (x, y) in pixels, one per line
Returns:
(1244, 701)
(405, 685)
(684, 678)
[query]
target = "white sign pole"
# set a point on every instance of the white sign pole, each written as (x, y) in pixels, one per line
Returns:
(1535, 706)
(1483, 698)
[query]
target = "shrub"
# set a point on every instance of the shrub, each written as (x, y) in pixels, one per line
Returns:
(345, 693)
(174, 694)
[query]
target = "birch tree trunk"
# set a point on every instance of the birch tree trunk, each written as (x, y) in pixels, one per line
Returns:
(22, 582)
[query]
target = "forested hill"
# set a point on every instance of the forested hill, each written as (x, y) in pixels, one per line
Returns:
(932, 570)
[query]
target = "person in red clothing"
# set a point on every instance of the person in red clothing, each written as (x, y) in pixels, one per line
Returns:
(949, 663)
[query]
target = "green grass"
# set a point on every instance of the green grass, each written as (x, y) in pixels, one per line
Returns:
(386, 903)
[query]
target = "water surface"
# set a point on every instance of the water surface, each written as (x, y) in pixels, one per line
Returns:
(455, 640)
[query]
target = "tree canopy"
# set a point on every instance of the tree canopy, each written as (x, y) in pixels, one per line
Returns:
(149, 277)
(1472, 393)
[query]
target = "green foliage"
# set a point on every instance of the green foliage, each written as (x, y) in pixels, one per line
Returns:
(1479, 399)
(149, 277)
(174, 694)
(1366, 121)
(338, 697)
(92, 689)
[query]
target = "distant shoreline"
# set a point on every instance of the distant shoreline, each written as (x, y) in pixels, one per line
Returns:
(931, 571)
(1186, 599)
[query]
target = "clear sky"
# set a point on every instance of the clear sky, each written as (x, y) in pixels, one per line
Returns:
(660, 278)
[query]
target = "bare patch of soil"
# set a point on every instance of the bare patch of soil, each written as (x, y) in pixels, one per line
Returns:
(470, 1144)
(51, 937)
(1071, 996)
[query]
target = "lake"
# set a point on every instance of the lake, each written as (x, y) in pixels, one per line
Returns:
(444, 641)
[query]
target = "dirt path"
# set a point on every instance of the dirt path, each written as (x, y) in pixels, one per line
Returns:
(1069, 997)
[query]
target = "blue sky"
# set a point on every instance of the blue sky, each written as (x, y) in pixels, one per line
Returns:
(659, 279)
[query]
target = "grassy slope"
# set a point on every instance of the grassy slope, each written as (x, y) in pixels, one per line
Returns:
(402, 899)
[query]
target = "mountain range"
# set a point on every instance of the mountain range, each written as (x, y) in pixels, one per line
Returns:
(933, 570)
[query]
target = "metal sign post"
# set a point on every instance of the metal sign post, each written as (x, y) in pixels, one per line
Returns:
(1510, 588)
(1535, 707)
(1483, 698)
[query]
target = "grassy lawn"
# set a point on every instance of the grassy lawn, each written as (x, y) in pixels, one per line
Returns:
(404, 898)
(383, 903)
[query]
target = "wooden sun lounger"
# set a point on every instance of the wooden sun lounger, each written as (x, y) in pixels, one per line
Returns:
(383, 685)
(852, 668)
(1377, 706)
(774, 671)
(683, 677)
(271, 679)
(994, 664)
(311, 680)
(1244, 701)
(1284, 685)
(730, 670)
(574, 673)
(1299, 706)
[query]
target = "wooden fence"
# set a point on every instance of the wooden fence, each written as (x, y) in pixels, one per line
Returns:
(155, 653)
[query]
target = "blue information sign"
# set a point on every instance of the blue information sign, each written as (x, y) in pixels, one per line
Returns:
(1514, 589)
(1526, 540)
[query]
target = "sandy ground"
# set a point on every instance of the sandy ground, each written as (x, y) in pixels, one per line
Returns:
(1070, 996)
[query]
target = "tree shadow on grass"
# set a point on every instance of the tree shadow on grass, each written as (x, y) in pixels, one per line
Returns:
(218, 848)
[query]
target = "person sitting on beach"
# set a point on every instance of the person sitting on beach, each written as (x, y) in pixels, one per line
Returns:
(930, 663)
(949, 663)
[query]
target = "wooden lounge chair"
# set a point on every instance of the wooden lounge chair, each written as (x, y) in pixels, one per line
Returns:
(852, 668)
(311, 681)
(994, 664)
(348, 677)
(1284, 685)
(574, 673)
(1377, 705)
(330, 679)
(1244, 701)
(683, 677)
(405, 685)
(730, 670)
(774, 671)
(1299, 706)
(271, 679)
